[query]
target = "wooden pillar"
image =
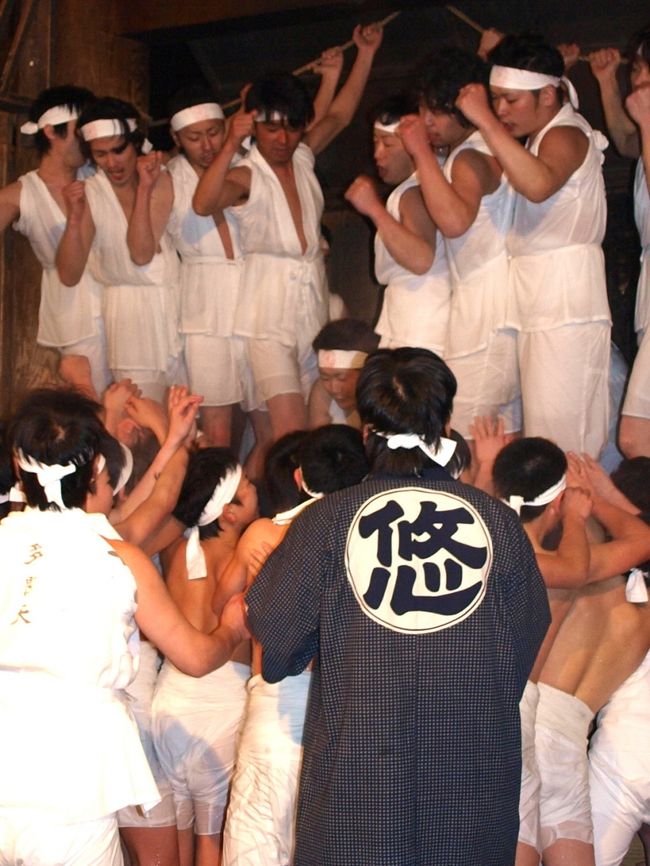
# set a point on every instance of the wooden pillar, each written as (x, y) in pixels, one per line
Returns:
(66, 42)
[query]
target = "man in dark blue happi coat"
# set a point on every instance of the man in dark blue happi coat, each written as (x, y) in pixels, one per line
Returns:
(421, 599)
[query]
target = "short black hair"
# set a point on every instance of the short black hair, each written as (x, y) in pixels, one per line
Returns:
(332, 457)
(206, 468)
(284, 93)
(528, 51)
(406, 390)
(446, 73)
(60, 426)
(632, 477)
(638, 46)
(393, 108)
(74, 98)
(528, 467)
(348, 335)
(109, 108)
(279, 490)
(195, 93)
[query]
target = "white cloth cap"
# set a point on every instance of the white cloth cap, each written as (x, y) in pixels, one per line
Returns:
(223, 494)
(196, 113)
(524, 79)
(53, 116)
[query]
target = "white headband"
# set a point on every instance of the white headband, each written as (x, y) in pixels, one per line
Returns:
(16, 494)
(272, 116)
(524, 79)
(389, 129)
(440, 455)
(49, 477)
(223, 493)
(338, 359)
(127, 469)
(635, 589)
(543, 498)
(309, 492)
(106, 127)
(53, 116)
(195, 113)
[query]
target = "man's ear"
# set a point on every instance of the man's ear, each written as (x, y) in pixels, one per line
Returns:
(297, 477)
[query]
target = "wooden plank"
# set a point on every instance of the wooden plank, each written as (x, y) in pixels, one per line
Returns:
(21, 30)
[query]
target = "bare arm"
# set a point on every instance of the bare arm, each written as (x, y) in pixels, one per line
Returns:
(220, 186)
(9, 204)
(74, 246)
(342, 109)
(537, 178)
(604, 64)
(489, 439)
(260, 536)
(411, 241)
(160, 619)
(568, 566)
(453, 206)
(318, 407)
(329, 67)
(153, 203)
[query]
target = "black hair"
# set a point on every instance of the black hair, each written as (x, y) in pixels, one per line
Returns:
(109, 108)
(332, 457)
(195, 93)
(284, 93)
(6, 472)
(393, 108)
(638, 46)
(74, 98)
(143, 451)
(348, 335)
(279, 490)
(528, 467)
(404, 390)
(60, 426)
(528, 51)
(206, 468)
(447, 71)
(632, 477)
(461, 459)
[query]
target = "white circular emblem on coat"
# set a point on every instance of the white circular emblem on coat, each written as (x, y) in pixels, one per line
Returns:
(418, 559)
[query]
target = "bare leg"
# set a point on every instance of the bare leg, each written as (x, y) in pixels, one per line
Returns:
(208, 850)
(186, 846)
(526, 855)
(216, 423)
(254, 465)
(569, 852)
(151, 846)
(634, 436)
(75, 370)
(287, 412)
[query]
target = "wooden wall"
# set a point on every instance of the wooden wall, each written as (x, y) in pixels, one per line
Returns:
(67, 41)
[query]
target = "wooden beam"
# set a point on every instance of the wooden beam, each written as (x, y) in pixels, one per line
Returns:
(13, 103)
(21, 29)
(143, 16)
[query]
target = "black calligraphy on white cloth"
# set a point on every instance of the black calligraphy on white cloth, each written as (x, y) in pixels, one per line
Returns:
(418, 559)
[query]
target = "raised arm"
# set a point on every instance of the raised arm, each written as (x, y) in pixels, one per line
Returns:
(160, 619)
(153, 204)
(367, 39)
(329, 67)
(9, 204)
(604, 65)
(537, 178)
(220, 186)
(453, 206)
(74, 246)
(411, 241)
(568, 566)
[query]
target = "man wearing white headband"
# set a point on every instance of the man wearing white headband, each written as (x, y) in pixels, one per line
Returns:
(70, 317)
(211, 264)
(410, 256)
(277, 200)
(341, 347)
(628, 123)
(468, 199)
(419, 594)
(196, 721)
(121, 215)
(563, 691)
(70, 751)
(558, 297)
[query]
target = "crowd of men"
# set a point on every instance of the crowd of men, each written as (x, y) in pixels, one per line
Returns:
(443, 656)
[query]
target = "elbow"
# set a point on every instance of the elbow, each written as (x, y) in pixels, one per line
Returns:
(200, 207)
(68, 278)
(141, 259)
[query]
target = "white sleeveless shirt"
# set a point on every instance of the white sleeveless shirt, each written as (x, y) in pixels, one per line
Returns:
(67, 314)
(415, 310)
(209, 281)
(642, 219)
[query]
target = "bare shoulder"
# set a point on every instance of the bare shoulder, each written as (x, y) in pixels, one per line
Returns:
(262, 530)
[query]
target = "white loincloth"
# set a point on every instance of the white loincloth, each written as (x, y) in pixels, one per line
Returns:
(530, 782)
